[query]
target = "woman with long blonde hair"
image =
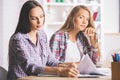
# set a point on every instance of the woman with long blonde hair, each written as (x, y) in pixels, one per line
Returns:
(76, 37)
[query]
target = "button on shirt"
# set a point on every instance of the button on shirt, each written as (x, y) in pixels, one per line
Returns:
(26, 58)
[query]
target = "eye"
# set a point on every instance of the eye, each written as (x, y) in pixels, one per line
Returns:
(33, 18)
(42, 16)
(80, 17)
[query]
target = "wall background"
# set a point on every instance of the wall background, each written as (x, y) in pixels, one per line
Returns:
(9, 13)
(111, 16)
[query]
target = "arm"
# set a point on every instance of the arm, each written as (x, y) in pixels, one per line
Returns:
(54, 45)
(51, 60)
(69, 64)
(20, 56)
(94, 44)
(62, 71)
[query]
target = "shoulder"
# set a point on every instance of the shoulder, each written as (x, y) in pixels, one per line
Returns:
(17, 36)
(17, 39)
(59, 34)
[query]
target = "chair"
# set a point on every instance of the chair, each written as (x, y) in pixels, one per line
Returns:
(3, 74)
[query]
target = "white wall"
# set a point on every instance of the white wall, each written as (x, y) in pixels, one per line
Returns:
(10, 17)
(110, 18)
(1, 31)
(10, 13)
(111, 45)
(110, 24)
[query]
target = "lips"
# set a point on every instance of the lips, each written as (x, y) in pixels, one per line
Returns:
(39, 26)
(83, 26)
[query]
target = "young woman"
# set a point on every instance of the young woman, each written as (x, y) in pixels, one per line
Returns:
(29, 52)
(76, 37)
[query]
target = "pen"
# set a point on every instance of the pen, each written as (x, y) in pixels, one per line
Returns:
(117, 57)
(113, 57)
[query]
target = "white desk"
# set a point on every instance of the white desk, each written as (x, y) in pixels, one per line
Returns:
(64, 78)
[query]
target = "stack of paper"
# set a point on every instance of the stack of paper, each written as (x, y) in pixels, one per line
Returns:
(87, 67)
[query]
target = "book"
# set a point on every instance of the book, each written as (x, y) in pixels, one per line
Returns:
(95, 15)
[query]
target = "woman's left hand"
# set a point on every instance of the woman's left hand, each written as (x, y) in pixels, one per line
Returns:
(90, 31)
(92, 34)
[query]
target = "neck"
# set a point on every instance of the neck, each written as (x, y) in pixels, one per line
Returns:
(72, 35)
(32, 33)
(33, 36)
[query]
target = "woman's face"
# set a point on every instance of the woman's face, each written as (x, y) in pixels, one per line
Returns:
(81, 20)
(36, 17)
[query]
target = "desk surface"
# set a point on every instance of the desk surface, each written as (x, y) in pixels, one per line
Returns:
(64, 78)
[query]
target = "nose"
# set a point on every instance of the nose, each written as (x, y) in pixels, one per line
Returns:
(38, 21)
(84, 21)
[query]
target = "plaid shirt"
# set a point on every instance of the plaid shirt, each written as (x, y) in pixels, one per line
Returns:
(58, 45)
(26, 58)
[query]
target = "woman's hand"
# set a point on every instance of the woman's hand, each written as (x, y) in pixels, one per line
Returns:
(68, 72)
(68, 69)
(92, 35)
(69, 64)
(74, 64)
(90, 31)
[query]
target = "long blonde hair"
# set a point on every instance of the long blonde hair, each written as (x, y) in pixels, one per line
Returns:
(69, 23)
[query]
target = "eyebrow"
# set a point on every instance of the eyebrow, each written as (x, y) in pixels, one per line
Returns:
(32, 16)
(40, 15)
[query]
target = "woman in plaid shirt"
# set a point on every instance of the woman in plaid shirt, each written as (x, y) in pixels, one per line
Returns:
(76, 37)
(29, 52)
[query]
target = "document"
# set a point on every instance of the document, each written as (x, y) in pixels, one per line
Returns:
(87, 67)
(87, 76)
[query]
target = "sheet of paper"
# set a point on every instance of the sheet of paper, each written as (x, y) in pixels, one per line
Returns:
(87, 76)
(87, 67)
(104, 71)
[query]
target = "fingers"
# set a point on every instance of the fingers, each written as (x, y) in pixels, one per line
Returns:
(69, 72)
(73, 72)
(73, 65)
(90, 31)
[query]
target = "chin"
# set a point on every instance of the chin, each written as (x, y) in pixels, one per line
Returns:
(82, 30)
(39, 28)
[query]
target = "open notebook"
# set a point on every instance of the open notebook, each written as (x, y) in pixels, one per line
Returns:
(87, 68)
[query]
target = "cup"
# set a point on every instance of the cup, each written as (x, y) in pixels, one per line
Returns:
(115, 70)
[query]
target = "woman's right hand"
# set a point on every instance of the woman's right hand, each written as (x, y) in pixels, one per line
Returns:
(68, 72)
